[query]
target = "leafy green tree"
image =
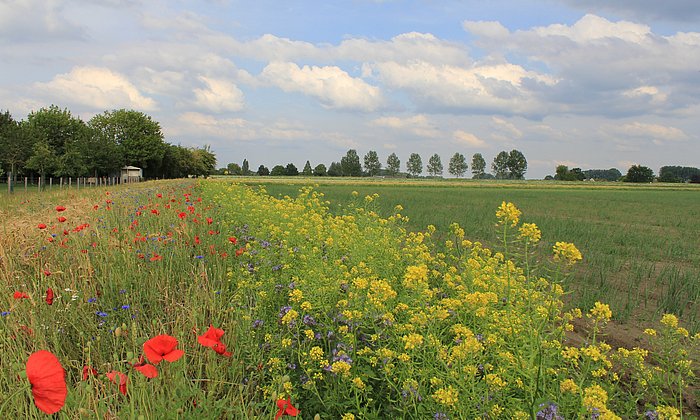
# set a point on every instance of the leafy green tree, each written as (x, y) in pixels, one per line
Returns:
(234, 169)
(291, 170)
(245, 167)
(500, 165)
(139, 137)
(414, 166)
(517, 165)
(263, 171)
(350, 164)
(372, 164)
(72, 162)
(335, 169)
(103, 156)
(435, 165)
(612, 174)
(677, 173)
(393, 164)
(15, 144)
(55, 126)
(307, 169)
(203, 161)
(562, 172)
(43, 160)
(639, 173)
(176, 162)
(320, 170)
(278, 170)
(478, 166)
(458, 165)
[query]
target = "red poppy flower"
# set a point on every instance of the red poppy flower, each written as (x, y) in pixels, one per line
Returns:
(49, 296)
(60, 208)
(61, 219)
(147, 370)
(240, 252)
(41, 226)
(87, 371)
(212, 338)
(159, 195)
(286, 407)
(155, 211)
(162, 347)
(182, 215)
(115, 376)
(197, 240)
(20, 295)
(232, 239)
(48, 380)
(156, 257)
(210, 220)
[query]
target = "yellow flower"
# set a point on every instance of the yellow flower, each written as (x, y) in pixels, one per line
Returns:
(650, 332)
(568, 385)
(296, 295)
(340, 367)
(358, 383)
(446, 396)
(668, 413)
(286, 342)
(567, 251)
(601, 312)
(670, 320)
(494, 381)
(508, 213)
(348, 416)
(530, 232)
(412, 341)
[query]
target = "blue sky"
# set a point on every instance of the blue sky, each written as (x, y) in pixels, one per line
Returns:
(585, 83)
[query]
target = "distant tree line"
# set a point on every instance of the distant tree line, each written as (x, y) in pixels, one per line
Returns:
(53, 142)
(506, 165)
(636, 173)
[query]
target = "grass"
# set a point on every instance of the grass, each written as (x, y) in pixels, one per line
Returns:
(639, 242)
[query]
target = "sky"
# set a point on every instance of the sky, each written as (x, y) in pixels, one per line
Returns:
(594, 84)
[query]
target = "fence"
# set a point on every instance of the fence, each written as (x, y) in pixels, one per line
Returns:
(32, 182)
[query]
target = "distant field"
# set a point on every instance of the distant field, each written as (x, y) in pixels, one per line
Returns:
(640, 243)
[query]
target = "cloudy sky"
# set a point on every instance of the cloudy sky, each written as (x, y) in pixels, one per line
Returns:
(586, 83)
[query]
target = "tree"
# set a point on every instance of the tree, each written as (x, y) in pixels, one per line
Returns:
(393, 164)
(307, 169)
(103, 156)
(335, 169)
(245, 167)
(638, 173)
(291, 170)
(234, 169)
(562, 172)
(56, 127)
(500, 165)
(612, 174)
(263, 171)
(458, 165)
(677, 173)
(138, 136)
(43, 159)
(350, 164)
(414, 166)
(517, 165)
(435, 165)
(15, 145)
(372, 164)
(278, 170)
(320, 170)
(478, 166)
(202, 161)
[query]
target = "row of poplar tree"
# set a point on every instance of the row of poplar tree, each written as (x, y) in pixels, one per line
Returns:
(505, 165)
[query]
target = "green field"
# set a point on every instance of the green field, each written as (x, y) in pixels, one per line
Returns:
(640, 243)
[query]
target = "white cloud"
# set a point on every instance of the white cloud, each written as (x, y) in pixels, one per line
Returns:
(505, 127)
(96, 87)
(332, 86)
(36, 21)
(219, 95)
(468, 139)
(657, 133)
(483, 88)
(419, 125)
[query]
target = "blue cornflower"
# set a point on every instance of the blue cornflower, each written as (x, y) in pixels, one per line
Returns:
(101, 314)
(92, 300)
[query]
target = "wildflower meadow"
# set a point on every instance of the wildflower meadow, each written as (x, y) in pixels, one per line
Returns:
(211, 299)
